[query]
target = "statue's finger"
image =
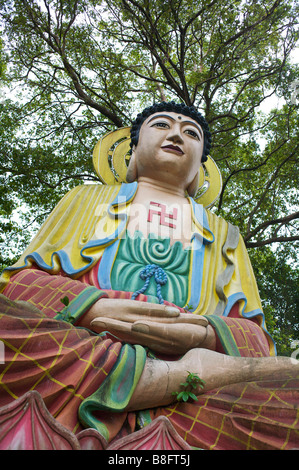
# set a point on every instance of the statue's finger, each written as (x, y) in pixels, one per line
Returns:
(122, 308)
(105, 323)
(176, 333)
(123, 331)
(155, 310)
(192, 319)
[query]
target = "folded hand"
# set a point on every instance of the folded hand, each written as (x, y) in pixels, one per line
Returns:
(161, 328)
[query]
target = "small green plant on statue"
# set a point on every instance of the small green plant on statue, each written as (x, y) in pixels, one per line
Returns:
(192, 382)
(188, 308)
(66, 302)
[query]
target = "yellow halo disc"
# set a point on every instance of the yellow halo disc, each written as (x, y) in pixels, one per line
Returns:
(109, 156)
(210, 183)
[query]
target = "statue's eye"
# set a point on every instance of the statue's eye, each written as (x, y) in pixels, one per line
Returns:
(192, 133)
(164, 125)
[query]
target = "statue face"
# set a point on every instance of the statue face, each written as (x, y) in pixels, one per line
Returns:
(170, 148)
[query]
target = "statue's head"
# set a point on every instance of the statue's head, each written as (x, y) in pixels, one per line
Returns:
(178, 108)
(169, 141)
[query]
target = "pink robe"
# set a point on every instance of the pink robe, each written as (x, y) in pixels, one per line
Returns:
(73, 368)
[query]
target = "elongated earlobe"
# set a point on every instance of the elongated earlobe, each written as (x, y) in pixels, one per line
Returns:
(132, 169)
(193, 186)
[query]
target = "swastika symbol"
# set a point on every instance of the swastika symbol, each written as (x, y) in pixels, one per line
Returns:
(161, 212)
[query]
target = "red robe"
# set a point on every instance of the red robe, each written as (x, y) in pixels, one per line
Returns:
(75, 371)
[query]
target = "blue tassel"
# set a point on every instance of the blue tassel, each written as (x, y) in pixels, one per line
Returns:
(160, 277)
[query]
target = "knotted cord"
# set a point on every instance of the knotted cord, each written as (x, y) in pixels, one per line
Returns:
(160, 277)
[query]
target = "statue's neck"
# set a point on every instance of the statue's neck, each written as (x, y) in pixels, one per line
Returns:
(145, 184)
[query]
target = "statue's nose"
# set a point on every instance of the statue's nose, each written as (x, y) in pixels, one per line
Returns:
(175, 135)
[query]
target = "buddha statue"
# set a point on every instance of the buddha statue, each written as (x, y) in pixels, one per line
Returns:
(133, 284)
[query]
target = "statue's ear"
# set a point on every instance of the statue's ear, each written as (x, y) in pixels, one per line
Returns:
(132, 169)
(193, 186)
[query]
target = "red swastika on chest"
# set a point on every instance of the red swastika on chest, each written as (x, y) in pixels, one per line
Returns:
(161, 212)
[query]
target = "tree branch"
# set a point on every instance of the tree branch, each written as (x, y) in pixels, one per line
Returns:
(281, 220)
(40, 29)
(269, 241)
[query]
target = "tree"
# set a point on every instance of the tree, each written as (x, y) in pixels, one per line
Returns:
(278, 286)
(83, 68)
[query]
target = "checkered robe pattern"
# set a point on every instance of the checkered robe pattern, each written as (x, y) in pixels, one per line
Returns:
(66, 364)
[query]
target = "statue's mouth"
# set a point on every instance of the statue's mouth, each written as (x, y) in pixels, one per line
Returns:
(173, 149)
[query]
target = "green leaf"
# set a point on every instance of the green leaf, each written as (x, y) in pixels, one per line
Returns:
(194, 397)
(184, 384)
(65, 301)
(185, 396)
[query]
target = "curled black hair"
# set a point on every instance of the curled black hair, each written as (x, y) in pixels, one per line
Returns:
(178, 108)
